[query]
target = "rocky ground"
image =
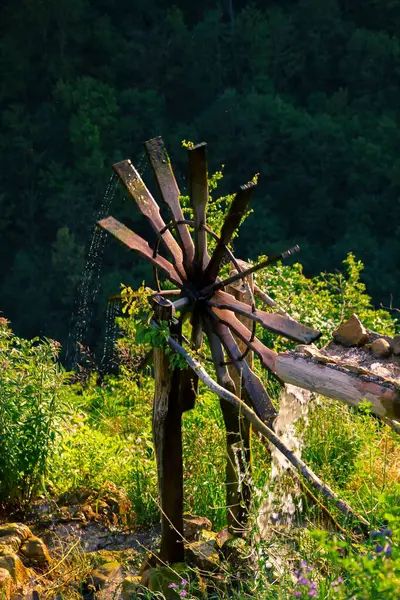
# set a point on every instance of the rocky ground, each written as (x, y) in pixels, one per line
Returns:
(84, 545)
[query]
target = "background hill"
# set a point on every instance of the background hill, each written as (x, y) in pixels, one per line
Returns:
(305, 92)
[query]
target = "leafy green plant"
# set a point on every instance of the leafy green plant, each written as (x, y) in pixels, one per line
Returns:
(31, 410)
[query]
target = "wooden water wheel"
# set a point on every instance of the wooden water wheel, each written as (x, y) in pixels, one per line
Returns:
(202, 295)
(200, 292)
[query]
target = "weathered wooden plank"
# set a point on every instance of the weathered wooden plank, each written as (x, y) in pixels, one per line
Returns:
(198, 191)
(232, 221)
(161, 164)
(273, 322)
(339, 383)
(251, 383)
(266, 355)
(135, 242)
(149, 208)
(167, 437)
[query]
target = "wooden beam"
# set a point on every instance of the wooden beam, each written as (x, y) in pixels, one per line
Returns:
(167, 437)
(149, 208)
(272, 322)
(135, 242)
(161, 164)
(340, 383)
(198, 191)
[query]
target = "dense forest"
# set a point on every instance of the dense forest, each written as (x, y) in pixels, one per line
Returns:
(303, 91)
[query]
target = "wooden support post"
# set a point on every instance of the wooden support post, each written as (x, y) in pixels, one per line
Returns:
(238, 433)
(167, 437)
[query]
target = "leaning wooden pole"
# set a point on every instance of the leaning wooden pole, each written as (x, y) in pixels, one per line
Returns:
(167, 438)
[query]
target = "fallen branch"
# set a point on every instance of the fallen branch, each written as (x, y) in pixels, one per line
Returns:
(265, 431)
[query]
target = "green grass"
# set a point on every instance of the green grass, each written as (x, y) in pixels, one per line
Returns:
(96, 434)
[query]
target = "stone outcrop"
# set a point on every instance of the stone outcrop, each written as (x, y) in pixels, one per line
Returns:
(193, 526)
(351, 333)
(105, 574)
(20, 550)
(36, 553)
(204, 553)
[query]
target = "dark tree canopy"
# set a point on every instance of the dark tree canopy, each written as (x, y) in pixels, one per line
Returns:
(303, 91)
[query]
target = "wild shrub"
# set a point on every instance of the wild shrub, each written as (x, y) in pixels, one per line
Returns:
(31, 409)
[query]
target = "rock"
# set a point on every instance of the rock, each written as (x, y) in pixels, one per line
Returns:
(35, 550)
(381, 348)
(208, 536)
(150, 561)
(203, 554)
(131, 587)
(351, 333)
(161, 578)
(89, 513)
(6, 584)
(15, 529)
(13, 564)
(144, 578)
(115, 505)
(236, 551)
(395, 344)
(103, 575)
(223, 536)
(12, 535)
(193, 525)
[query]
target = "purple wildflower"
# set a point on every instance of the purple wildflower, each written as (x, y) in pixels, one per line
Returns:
(183, 593)
(184, 582)
(312, 593)
(388, 550)
(303, 564)
(173, 585)
(379, 548)
(303, 581)
(375, 534)
(338, 582)
(297, 594)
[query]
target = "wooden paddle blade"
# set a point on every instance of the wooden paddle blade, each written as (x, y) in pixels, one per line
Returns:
(135, 242)
(251, 383)
(149, 208)
(273, 322)
(267, 356)
(217, 353)
(198, 191)
(232, 221)
(161, 165)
